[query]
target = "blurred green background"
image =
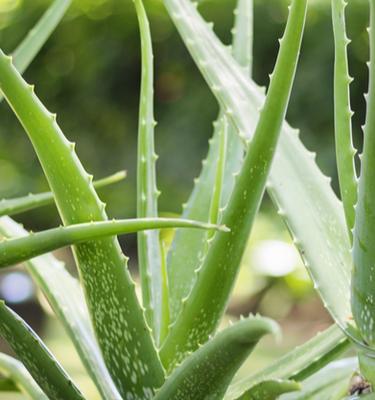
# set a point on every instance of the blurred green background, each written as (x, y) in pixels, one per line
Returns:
(89, 74)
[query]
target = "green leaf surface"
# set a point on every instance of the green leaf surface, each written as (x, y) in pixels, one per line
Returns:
(207, 372)
(206, 303)
(363, 277)
(13, 251)
(189, 247)
(297, 364)
(41, 364)
(66, 298)
(14, 371)
(149, 251)
(343, 125)
(270, 390)
(331, 383)
(39, 34)
(108, 286)
(26, 203)
(300, 191)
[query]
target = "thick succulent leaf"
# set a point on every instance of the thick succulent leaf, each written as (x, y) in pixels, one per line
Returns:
(270, 390)
(35, 39)
(363, 303)
(149, 251)
(330, 383)
(189, 247)
(301, 192)
(343, 125)
(207, 372)
(206, 303)
(297, 364)
(41, 364)
(14, 371)
(108, 286)
(66, 298)
(31, 201)
(13, 251)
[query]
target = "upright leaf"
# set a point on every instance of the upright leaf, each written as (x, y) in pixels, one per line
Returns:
(297, 364)
(189, 247)
(363, 295)
(43, 367)
(149, 251)
(14, 370)
(16, 250)
(204, 307)
(300, 191)
(66, 298)
(109, 289)
(207, 372)
(343, 125)
(31, 201)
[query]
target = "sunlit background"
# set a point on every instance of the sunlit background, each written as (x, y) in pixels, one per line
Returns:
(89, 73)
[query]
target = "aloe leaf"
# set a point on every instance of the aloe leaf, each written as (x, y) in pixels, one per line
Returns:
(108, 287)
(343, 125)
(26, 203)
(43, 367)
(149, 251)
(189, 247)
(363, 305)
(297, 364)
(296, 185)
(206, 303)
(13, 251)
(35, 39)
(66, 298)
(270, 390)
(207, 372)
(14, 370)
(332, 382)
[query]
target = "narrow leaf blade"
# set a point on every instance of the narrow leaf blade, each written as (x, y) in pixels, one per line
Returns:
(270, 390)
(43, 367)
(149, 251)
(207, 372)
(343, 125)
(26, 203)
(16, 250)
(297, 364)
(14, 370)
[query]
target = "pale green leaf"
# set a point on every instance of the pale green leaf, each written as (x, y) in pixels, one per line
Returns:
(40, 363)
(14, 370)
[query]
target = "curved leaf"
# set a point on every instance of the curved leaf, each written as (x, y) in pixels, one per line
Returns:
(41, 364)
(66, 298)
(270, 390)
(206, 303)
(297, 364)
(26, 203)
(16, 250)
(17, 373)
(206, 373)
(332, 382)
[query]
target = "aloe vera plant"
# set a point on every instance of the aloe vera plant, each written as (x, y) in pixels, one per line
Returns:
(165, 345)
